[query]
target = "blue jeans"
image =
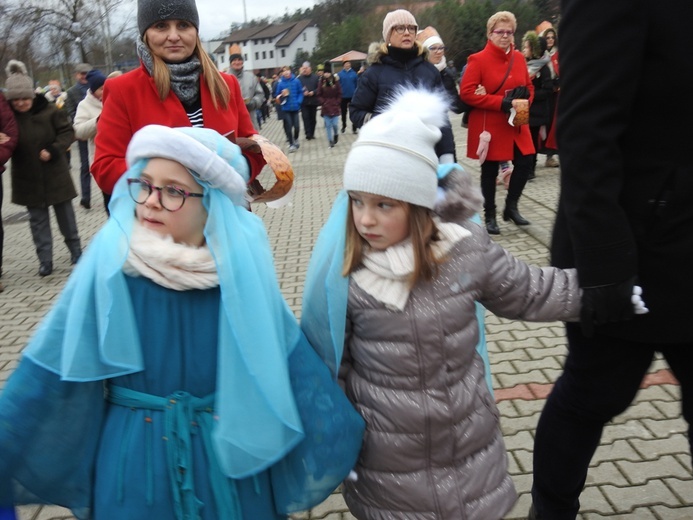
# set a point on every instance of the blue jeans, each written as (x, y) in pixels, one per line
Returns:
(600, 379)
(291, 126)
(331, 126)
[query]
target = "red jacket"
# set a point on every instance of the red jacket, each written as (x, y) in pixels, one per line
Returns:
(131, 101)
(8, 126)
(488, 68)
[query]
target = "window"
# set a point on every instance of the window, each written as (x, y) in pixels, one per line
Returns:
(305, 36)
(257, 56)
(283, 53)
(264, 55)
(271, 54)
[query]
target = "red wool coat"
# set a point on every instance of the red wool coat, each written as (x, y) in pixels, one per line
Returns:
(488, 68)
(131, 102)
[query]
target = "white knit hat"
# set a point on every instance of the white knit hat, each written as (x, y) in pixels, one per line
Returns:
(394, 154)
(398, 17)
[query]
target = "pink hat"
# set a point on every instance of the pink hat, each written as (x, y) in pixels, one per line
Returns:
(398, 17)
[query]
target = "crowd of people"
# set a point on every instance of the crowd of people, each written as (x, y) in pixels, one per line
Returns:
(384, 384)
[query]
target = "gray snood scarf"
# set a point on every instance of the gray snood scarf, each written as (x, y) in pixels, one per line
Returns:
(185, 77)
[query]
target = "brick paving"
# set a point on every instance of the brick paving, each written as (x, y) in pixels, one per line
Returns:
(642, 469)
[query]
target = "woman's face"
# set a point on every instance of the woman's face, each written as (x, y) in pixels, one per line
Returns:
(406, 39)
(436, 52)
(550, 37)
(23, 104)
(185, 226)
(527, 50)
(172, 40)
(502, 35)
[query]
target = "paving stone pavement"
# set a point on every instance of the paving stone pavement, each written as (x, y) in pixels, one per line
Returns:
(642, 469)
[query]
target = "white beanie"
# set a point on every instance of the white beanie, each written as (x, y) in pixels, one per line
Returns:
(398, 17)
(394, 155)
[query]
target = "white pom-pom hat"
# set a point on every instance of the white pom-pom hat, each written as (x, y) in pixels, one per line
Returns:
(394, 155)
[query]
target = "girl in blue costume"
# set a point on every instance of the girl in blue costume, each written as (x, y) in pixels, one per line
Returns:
(171, 380)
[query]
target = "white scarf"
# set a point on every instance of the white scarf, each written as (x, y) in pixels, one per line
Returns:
(175, 266)
(441, 65)
(385, 274)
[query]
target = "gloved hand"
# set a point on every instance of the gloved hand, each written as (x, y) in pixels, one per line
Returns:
(606, 304)
(521, 92)
(506, 105)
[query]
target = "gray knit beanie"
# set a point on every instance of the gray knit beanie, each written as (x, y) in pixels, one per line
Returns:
(151, 11)
(19, 84)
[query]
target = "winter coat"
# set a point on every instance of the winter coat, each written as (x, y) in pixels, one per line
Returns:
(626, 177)
(487, 68)
(379, 82)
(75, 94)
(348, 79)
(250, 89)
(540, 110)
(310, 84)
(8, 126)
(35, 183)
(450, 85)
(433, 446)
(131, 101)
(330, 98)
(84, 125)
(293, 102)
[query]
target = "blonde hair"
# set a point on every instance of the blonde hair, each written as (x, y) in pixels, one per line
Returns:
(221, 94)
(422, 233)
(500, 17)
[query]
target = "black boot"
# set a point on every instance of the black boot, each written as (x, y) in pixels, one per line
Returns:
(491, 224)
(511, 213)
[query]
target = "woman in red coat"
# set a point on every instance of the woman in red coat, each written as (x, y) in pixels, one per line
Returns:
(493, 78)
(176, 85)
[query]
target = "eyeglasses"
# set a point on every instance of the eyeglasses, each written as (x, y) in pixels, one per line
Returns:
(437, 49)
(171, 198)
(401, 29)
(500, 32)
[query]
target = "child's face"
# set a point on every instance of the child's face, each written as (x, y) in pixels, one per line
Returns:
(381, 221)
(186, 225)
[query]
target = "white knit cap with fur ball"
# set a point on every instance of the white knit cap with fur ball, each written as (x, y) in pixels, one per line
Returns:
(394, 155)
(398, 17)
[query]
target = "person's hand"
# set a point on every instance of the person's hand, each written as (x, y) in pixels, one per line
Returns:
(637, 301)
(4, 138)
(480, 90)
(607, 304)
(45, 155)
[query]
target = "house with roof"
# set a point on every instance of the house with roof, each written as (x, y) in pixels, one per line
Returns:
(268, 47)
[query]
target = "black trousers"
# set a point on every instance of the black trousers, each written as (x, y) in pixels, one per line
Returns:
(599, 381)
(345, 111)
(309, 115)
(522, 166)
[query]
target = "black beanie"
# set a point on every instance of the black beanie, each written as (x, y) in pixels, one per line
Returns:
(151, 11)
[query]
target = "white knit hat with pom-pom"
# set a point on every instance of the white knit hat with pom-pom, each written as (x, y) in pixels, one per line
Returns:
(394, 155)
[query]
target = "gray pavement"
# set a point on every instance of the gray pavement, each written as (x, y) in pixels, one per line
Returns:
(642, 469)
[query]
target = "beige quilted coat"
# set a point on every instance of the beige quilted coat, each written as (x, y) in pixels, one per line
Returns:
(433, 447)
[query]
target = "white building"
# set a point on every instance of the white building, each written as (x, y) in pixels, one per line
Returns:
(266, 48)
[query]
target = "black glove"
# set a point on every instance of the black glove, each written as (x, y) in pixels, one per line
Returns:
(519, 93)
(506, 105)
(606, 304)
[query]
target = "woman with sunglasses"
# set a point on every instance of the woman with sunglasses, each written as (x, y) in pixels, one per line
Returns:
(495, 77)
(398, 61)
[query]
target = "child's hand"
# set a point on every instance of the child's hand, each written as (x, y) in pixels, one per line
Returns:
(636, 300)
(45, 155)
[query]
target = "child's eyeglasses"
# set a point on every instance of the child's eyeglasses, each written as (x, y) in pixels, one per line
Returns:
(401, 29)
(437, 48)
(171, 198)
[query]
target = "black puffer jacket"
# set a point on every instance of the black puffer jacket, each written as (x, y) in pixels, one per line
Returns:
(35, 183)
(394, 68)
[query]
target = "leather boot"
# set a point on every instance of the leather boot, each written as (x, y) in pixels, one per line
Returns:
(491, 224)
(511, 213)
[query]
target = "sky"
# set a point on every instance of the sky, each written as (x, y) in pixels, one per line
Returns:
(216, 17)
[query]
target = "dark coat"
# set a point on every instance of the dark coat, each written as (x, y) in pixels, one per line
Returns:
(450, 85)
(8, 126)
(330, 98)
(38, 184)
(377, 85)
(540, 110)
(310, 85)
(626, 175)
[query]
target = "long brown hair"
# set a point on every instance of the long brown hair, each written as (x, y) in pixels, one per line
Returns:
(221, 95)
(422, 232)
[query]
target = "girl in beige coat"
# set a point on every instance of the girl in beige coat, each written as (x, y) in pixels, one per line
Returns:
(402, 282)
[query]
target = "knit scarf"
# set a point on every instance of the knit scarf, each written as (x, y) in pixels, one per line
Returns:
(185, 76)
(175, 266)
(535, 65)
(442, 65)
(385, 274)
